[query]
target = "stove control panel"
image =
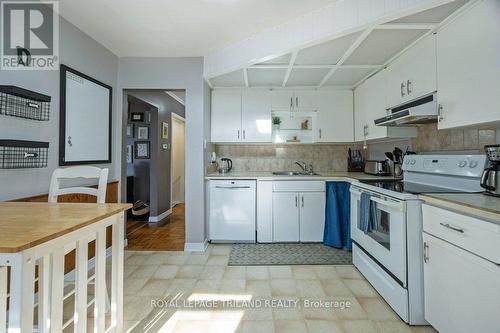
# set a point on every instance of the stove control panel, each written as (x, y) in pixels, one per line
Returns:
(459, 165)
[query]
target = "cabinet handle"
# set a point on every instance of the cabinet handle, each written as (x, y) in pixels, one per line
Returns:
(426, 252)
(243, 134)
(296, 201)
(440, 112)
(238, 134)
(291, 102)
(446, 225)
(302, 199)
(296, 101)
(403, 86)
(320, 134)
(408, 87)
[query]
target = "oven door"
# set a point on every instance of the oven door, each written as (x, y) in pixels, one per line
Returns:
(386, 242)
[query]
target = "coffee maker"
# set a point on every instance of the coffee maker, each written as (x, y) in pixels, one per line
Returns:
(490, 180)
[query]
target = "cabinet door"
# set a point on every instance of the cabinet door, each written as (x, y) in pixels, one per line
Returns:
(285, 217)
(413, 74)
(334, 121)
(360, 103)
(305, 100)
(468, 64)
(282, 100)
(226, 116)
(312, 216)
(375, 105)
(461, 290)
(256, 116)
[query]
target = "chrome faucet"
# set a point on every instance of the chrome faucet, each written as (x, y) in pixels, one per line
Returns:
(308, 169)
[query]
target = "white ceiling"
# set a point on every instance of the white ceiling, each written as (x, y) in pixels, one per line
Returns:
(341, 62)
(179, 28)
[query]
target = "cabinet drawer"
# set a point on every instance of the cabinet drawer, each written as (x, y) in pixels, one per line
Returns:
(472, 234)
(299, 186)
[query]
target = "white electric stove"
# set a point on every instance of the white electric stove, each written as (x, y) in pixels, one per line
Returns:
(389, 253)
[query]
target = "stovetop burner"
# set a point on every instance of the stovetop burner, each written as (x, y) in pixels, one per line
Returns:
(400, 186)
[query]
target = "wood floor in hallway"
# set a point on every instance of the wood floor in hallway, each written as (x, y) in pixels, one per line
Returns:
(167, 235)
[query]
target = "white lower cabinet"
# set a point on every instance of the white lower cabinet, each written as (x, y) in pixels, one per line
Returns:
(298, 211)
(285, 217)
(461, 287)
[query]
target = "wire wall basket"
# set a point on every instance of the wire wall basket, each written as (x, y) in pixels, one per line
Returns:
(22, 103)
(19, 154)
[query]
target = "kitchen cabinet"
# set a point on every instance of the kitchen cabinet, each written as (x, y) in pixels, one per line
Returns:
(370, 104)
(312, 216)
(334, 119)
(264, 211)
(413, 74)
(241, 116)
(256, 116)
(461, 272)
(298, 211)
(226, 116)
(294, 100)
(285, 217)
(468, 64)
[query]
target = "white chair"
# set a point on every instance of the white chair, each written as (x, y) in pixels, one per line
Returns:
(87, 172)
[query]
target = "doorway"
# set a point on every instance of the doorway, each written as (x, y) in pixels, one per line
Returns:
(177, 177)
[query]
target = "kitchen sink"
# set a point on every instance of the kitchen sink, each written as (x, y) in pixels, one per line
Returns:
(293, 173)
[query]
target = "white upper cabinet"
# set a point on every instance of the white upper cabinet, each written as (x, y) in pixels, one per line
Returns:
(297, 101)
(256, 116)
(468, 67)
(413, 74)
(370, 104)
(334, 120)
(226, 115)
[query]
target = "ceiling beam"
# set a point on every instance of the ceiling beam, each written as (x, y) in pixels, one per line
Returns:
(174, 96)
(312, 66)
(290, 67)
(209, 83)
(245, 77)
(407, 26)
(347, 54)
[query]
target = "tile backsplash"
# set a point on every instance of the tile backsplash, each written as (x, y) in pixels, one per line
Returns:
(431, 139)
(267, 157)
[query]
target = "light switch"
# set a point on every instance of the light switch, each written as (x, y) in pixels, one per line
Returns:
(165, 146)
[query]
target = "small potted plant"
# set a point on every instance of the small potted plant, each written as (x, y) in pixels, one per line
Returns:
(276, 123)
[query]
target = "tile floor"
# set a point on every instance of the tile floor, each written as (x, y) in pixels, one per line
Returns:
(193, 293)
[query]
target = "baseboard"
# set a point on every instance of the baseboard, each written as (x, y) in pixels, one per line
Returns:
(196, 247)
(160, 217)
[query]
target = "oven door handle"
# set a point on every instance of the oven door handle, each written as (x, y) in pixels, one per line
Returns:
(389, 203)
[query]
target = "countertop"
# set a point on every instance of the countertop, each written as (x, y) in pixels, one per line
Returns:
(477, 204)
(24, 225)
(268, 175)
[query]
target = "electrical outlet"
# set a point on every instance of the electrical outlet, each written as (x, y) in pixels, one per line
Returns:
(165, 146)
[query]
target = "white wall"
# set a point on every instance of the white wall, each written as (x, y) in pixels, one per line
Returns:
(84, 54)
(177, 73)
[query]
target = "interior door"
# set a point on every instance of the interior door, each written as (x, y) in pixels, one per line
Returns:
(312, 216)
(256, 116)
(226, 115)
(461, 290)
(335, 116)
(285, 217)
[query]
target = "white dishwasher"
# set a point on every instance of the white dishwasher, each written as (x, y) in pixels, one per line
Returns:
(232, 211)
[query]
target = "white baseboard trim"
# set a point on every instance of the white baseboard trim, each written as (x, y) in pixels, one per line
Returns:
(196, 247)
(160, 217)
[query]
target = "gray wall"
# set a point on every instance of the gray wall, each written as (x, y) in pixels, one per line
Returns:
(160, 162)
(171, 74)
(84, 54)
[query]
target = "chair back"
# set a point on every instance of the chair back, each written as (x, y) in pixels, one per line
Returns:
(79, 172)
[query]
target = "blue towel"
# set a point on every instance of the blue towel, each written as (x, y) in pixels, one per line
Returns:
(338, 215)
(365, 212)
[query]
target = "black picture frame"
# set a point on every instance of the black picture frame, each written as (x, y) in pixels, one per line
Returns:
(136, 150)
(137, 117)
(62, 118)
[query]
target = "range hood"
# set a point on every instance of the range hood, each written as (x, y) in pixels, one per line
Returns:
(421, 111)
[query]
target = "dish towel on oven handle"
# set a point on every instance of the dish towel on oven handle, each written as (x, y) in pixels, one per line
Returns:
(367, 213)
(337, 232)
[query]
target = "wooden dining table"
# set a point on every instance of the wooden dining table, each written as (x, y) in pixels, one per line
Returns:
(34, 240)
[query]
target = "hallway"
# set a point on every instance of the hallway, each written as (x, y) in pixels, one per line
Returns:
(167, 235)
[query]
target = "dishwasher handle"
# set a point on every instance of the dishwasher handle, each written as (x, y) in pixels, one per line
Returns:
(232, 187)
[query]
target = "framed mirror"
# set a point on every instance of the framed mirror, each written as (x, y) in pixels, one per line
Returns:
(85, 119)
